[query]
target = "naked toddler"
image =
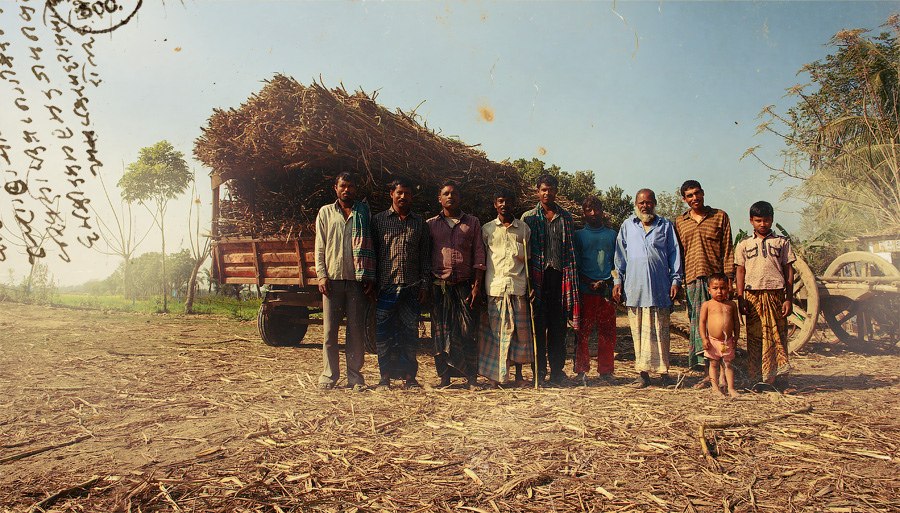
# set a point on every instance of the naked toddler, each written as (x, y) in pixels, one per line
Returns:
(720, 327)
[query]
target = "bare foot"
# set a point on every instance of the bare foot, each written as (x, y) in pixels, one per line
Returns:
(717, 391)
(733, 393)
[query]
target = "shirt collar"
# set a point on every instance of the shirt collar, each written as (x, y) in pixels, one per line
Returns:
(656, 220)
(707, 212)
(514, 223)
(768, 235)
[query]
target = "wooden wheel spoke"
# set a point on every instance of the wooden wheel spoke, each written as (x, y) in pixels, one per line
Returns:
(799, 317)
(848, 313)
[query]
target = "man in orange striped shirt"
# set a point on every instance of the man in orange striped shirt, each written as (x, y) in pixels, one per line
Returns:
(704, 234)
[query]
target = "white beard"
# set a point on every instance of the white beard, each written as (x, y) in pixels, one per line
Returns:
(645, 218)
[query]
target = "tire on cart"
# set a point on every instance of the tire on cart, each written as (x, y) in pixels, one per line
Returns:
(861, 316)
(282, 325)
(802, 321)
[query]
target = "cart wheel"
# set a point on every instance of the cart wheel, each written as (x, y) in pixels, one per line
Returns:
(802, 321)
(371, 347)
(857, 321)
(279, 326)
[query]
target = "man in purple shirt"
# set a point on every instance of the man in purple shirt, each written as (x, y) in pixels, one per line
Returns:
(457, 266)
(648, 261)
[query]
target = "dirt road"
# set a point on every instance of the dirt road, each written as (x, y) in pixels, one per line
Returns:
(132, 412)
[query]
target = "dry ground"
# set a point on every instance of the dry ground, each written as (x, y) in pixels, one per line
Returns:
(130, 412)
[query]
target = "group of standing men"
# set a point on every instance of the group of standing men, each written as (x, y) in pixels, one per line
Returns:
(505, 289)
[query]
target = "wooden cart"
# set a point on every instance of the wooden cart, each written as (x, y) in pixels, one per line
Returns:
(858, 295)
(286, 266)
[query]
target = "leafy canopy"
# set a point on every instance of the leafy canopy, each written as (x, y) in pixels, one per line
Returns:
(842, 143)
(159, 174)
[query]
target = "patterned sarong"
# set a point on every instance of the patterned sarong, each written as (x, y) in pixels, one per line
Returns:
(597, 312)
(397, 331)
(697, 293)
(766, 335)
(650, 333)
(505, 337)
(452, 329)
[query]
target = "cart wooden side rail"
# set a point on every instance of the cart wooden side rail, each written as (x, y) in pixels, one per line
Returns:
(287, 267)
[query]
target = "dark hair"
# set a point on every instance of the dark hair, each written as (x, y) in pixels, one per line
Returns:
(448, 183)
(345, 176)
(690, 184)
(592, 202)
(550, 180)
(762, 209)
(399, 182)
(504, 193)
(717, 277)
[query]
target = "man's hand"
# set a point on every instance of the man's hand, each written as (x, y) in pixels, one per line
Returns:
(673, 291)
(617, 293)
(476, 291)
(743, 307)
(323, 286)
(786, 308)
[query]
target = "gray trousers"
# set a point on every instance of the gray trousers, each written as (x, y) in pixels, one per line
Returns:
(344, 297)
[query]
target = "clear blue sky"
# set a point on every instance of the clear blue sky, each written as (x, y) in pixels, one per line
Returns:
(645, 94)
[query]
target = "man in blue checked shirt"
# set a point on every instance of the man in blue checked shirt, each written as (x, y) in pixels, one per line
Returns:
(649, 267)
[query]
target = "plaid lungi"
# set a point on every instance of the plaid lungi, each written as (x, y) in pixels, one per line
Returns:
(697, 293)
(650, 333)
(505, 337)
(453, 329)
(397, 331)
(767, 355)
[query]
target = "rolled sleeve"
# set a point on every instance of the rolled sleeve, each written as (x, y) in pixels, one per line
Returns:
(319, 247)
(728, 250)
(676, 268)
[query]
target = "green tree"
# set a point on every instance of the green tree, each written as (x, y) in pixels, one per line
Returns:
(669, 205)
(617, 205)
(159, 175)
(842, 144)
(574, 188)
(148, 274)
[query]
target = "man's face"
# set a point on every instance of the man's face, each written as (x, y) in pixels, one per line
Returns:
(504, 206)
(449, 198)
(694, 198)
(592, 216)
(546, 194)
(645, 203)
(401, 197)
(761, 225)
(345, 190)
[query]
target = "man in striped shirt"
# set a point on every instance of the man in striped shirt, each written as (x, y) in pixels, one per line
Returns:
(403, 247)
(704, 234)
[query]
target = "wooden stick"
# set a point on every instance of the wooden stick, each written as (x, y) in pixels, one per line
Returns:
(531, 312)
(45, 448)
(64, 493)
(701, 432)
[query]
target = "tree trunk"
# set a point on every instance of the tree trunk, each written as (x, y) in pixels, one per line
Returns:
(192, 284)
(165, 285)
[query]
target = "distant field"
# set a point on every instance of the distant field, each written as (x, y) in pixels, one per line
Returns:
(206, 304)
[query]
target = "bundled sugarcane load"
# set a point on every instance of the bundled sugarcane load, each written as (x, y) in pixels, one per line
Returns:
(280, 151)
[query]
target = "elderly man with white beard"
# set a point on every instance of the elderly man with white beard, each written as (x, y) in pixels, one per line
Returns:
(648, 261)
